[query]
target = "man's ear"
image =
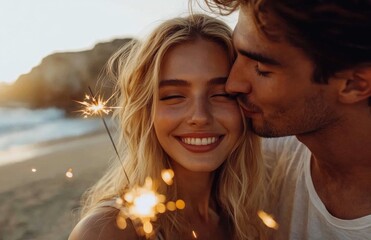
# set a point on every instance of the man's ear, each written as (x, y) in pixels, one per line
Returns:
(356, 85)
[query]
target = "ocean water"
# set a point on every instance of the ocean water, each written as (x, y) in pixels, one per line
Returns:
(22, 128)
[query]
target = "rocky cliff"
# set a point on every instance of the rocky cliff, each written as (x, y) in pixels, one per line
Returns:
(61, 78)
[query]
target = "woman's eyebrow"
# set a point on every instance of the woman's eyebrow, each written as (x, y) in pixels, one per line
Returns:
(184, 83)
(173, 82)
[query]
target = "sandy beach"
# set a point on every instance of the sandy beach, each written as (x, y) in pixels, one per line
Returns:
(44, 204)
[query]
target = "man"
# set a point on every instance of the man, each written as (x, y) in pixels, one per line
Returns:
(304, 69)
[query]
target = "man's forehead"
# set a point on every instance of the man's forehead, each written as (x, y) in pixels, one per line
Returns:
(249, 30)
(245, 17)
(253, 43)
(245, 30)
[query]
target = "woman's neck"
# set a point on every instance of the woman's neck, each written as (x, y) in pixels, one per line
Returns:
(204, 221)
(195, 189)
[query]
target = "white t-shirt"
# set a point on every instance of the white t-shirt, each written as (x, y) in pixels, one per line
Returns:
(298, 209)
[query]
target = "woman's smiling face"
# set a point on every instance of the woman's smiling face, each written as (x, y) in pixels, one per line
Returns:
(196, 122)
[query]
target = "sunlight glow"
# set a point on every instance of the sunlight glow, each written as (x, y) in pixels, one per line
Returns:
(47, 30)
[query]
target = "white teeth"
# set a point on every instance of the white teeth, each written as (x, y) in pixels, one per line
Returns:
(199, 141)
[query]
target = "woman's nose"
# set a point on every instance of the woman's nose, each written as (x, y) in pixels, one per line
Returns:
(199, 113)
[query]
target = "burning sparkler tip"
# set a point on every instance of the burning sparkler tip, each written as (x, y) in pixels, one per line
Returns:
(167, 175)
(267, 219)
(69, 173)
(194, 234)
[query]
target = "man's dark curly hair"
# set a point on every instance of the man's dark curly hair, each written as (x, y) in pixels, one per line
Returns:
(335, 34)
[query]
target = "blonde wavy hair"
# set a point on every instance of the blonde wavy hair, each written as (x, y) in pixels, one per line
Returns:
(239, 183)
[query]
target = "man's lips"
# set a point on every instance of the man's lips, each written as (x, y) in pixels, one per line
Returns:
(248, 108)
(249, 112)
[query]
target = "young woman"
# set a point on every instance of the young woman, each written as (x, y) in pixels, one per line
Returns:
(176, 114)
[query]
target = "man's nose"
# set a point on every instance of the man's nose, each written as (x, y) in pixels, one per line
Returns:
(238, 79)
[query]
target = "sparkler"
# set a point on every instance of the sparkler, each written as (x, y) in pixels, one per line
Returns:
(267, 220)
(140, 203)
(97, 106)
(143, 203)
(167, 175)
(69, 173)
(194, 234)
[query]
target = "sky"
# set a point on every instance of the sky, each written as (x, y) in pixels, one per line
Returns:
(32, 29)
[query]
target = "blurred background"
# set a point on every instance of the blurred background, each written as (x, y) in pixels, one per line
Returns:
(50, 52)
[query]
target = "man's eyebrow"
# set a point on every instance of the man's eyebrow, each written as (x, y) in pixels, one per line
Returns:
(173, 82)
(259, 57)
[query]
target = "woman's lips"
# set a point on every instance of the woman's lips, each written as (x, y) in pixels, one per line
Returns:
(200, 144)
(199, 141)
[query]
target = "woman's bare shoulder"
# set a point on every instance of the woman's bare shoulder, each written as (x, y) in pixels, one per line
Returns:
(101, 225)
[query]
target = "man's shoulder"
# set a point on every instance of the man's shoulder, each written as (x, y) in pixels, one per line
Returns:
(101, 224)
(285, 159)
(280, 143)
(283, 150)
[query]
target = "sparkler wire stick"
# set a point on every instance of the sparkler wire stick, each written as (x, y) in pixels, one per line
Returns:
(110, 136)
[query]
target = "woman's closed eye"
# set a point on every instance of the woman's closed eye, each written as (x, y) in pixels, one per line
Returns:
(224, 95)
(170, 97)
